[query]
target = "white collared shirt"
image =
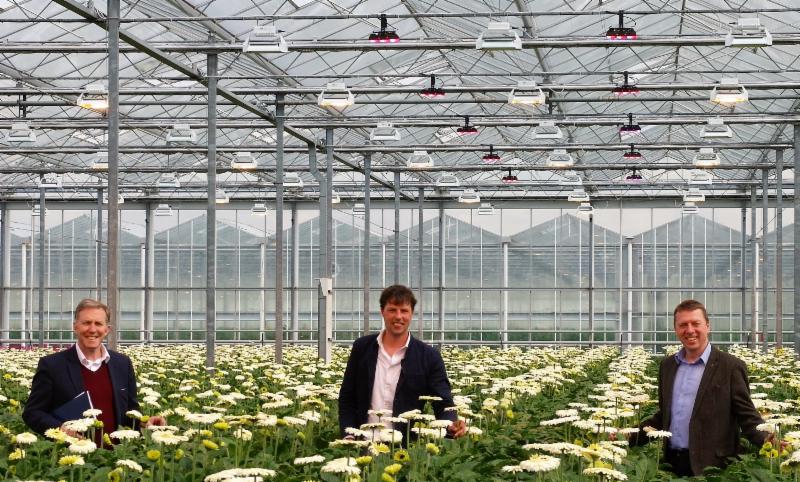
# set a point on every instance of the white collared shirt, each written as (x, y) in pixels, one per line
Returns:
(92, 365)
(387, 374)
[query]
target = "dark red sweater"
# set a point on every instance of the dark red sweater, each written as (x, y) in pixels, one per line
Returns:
(98, 384)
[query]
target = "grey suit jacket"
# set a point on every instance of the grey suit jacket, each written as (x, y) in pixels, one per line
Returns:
(723, 411)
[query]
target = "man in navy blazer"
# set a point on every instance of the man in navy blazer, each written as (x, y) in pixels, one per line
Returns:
(390, 370)
(86, 366)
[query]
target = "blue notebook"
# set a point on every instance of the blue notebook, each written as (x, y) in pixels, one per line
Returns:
(73, 409)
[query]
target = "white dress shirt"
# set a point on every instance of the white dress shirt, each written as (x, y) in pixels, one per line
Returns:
(92, 365)
(387, 374)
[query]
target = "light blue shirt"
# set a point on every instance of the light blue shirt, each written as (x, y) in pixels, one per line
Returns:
(684, 391)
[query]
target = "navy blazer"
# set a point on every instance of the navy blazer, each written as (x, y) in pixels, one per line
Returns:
(58, 380)
(422, 372)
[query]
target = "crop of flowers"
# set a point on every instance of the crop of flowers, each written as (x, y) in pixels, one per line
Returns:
(532, 414)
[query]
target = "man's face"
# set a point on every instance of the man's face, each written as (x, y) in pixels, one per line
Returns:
(397, 317)
(91, 327)
(692, 329)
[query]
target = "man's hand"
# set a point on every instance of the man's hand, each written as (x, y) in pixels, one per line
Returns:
(70, 432)
(155, 420)
(457, 429)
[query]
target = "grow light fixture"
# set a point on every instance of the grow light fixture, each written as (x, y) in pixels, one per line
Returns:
(100, 161)
(466, 129)
(547, 129)
(485, 209)
(498, 36)
(701, 178)
(630, 129)
(448, 181)
(716, 129)
(244, 161)
(693, 195)
(259, 209)
(491, 157)
(37, 210)
(120, 199)
(221, 197)
(181, 134)
(163, 210)
(572, 180)
(578, 196)
(292, 180)
(706, 157)
(50, 181)
(509, 178)
(748, 32)
(632, 155)
(384, 35)
(527, 93)
(432, 92)
(621, 32)
(359, 209)
(94, 96)
(265, 38)
(634, 178)
(336, 95)
(168, 181)
(560, 159)
(729, 92)
(585, 208)
(419, 160)
(469, 196)
(626, 88)
(20, 133)
(384, 131)
(689, 208)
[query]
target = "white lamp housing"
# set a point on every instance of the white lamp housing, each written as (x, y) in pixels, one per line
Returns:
(100, 161)
(448, 181)
(547, 129)
(292, 180)
(50, 181)
(728, 92)
(37, 210)
(486, 209)
(585, 208)
(469, 196)
(748, 32)
(168, 181)
(244, 161)
(560, 159)
(120, 199)
(259, 209)
(419, 160)
(181, 134)
(499, 36)
(689, 208)
(693, 195)
(336, 95)
(163, 210)
(359, 209)
(572, 179)
(706, 157)
(335, 198)
(716, 129)
(578, 196)
(527, 93)
(20, 133)
(701, 178)
(384, 131)
(94, 96)
(265, 38)
(221, 197)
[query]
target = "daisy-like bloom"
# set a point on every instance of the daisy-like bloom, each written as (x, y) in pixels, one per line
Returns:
(430, 398)
(80, 426)
(294, 421)
(92, 412)
(391, 436)
(55, 434)
(371, 426)
(605, 473)
(559, 421)
(134, 414)
(376, 449)
(71, 460)
(16, 454)
(357, 432)
(793, 461)
(243, 434)
(393, 469)
(168, 438)
(379, 413)
(344, 465)
(210, 445)
(408, 415)
(566, 413)
(431, 433)
(348, 443)
(557, 448)
(163, 428)
(401, 455)
(512, 469)
(231, 475)
(659, 434)
(24, 438)
(440, 423)
(129, 464)
(540, 463)
(125, 434)
(395, 419)
(264, 420)
(202, 418)
(82, 446)
(766, 427)
(312, 459)
(473, 430)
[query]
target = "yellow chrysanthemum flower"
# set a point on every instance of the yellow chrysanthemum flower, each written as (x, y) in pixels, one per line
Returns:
(153, 454)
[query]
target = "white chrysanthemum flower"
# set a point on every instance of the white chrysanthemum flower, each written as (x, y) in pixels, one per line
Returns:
(357, 432)
(389, 435)
(202, 418)
(379, 413)
(243, 434)
(559, 421)
(344, 465)
(134, 414)
(605, 473)
(430, 398)
(125, 434)
(659, 434)
(513, 469)
(168, 438)
(264, 420)
(767, 427)
(24, 438)
(92, 412)
(371, 426)
(240, 474)
(440, 423)
(348, 443)
(473, 430)
(129, 464)
(294, 421)
(80, 426)
(83, 446)
(395, 419)
(557, 448)
(313, 459)
(540, 463)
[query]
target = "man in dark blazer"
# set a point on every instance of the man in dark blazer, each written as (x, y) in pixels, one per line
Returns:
(390, 370)
(703, 399)
(108, 376)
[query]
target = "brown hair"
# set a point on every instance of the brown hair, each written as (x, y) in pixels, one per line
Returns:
(398, 294)
(689, 305)
(90, 304)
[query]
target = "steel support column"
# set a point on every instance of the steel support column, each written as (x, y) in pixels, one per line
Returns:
(439, 331)
(591, 280)
(396, 261)
(149, 272)
(365, 254)
(743, 308)
(211, 215)
(5, 271)
(279, 132)
(294, 301)
(754, 325)
(98, 246)
(796, 207)
(504, 300)
(112, 234)
(41, 272)
(764, 256)
(420, 258)
(779, 248)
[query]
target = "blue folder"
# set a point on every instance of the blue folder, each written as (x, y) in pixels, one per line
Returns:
(73, 410)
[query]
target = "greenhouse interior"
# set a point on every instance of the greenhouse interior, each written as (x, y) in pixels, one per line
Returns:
(236, 184)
